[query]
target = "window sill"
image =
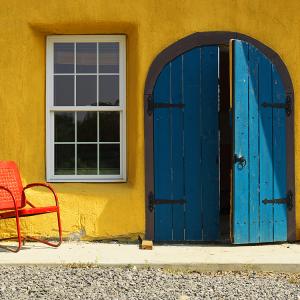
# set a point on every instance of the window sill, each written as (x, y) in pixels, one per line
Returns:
(92, 180)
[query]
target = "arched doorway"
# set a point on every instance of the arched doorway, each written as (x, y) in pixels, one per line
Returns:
(172, 215)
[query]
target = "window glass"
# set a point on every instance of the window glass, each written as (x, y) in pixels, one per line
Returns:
(108, 57)
(86, 159)
(109, 126)
(87, 126)
(64, 159)
(109, 155)
(86, 90)
(109, 90)
(86, 57)
(64, 58)
(64, 126)
(64, 90)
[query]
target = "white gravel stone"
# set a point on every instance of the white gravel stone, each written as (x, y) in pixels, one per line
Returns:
(94, 282)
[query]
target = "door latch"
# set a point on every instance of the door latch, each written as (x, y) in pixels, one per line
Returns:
(240, 160)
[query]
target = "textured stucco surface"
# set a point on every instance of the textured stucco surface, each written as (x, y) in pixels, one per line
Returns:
(98, 210)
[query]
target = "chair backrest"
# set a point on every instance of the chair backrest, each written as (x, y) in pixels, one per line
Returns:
(10, 179)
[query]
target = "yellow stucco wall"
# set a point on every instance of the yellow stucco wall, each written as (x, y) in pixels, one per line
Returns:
(114, 210)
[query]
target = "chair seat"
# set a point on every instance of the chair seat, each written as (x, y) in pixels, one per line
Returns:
(26, 212)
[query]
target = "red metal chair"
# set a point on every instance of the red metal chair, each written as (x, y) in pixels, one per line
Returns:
(14, 204)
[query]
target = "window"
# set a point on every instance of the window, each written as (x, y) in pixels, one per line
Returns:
(86, 109)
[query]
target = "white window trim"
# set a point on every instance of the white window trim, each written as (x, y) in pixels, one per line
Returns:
(50, 108)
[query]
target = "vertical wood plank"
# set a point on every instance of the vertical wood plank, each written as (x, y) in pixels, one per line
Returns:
(279, 159)
(253, 146)
(192, 144)
(177, 149)
(241, 140)
(265, 149)
(162, 158)
(209, 131)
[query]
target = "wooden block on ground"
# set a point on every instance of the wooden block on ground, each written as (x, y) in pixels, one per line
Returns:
(146, 245)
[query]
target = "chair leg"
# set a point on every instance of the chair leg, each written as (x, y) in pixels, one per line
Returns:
(18, 237)
(47, 242)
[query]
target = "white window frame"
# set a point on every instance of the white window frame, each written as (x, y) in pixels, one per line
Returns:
(50, 108)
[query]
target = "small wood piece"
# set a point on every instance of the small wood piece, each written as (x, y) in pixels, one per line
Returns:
(146, 245)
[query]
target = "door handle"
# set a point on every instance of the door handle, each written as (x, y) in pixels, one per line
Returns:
(240, 160)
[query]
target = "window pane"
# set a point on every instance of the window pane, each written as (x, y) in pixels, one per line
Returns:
(86, 126)
(109, 90)
(109, 126)
(109, 159)
(86, 159)
(86, 90)
(108, 58)
(64, 159)
(86, 58)
(64, 58)
(63, 90)
(64, 126)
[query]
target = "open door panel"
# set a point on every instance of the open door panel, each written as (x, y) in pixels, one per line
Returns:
(260, 196)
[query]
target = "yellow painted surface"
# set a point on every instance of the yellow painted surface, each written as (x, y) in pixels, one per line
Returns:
(98, 210)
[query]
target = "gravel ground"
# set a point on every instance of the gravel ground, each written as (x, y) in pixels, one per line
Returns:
(91, 282)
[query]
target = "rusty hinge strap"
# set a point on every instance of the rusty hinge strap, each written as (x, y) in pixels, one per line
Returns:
(152, 201)
(168, 201)
(275, 201)
(287, 105)
(152, 105)
(288, 200)
(168, 105)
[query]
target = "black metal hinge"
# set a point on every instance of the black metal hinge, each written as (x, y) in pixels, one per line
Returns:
(152, 105)
(152, 201)
(288, 200)
(287, 105)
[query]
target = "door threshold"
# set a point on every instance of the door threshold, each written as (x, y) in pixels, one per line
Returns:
(191, 243)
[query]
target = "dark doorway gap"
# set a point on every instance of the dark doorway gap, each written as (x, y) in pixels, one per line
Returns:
(225, 135)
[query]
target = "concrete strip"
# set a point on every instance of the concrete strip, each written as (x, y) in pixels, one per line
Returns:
(279, 258)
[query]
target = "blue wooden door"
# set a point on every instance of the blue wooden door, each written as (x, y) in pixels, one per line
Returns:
(259, 170)
(186, 168)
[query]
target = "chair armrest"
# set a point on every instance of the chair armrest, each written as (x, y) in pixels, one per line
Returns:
(31, 185)
(12, 196)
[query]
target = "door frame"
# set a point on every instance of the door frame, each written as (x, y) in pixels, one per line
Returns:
(185, 44)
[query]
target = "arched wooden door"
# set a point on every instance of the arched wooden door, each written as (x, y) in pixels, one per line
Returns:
(181, 125)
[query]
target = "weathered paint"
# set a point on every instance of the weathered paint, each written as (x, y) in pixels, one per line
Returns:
(259, 137)
(95, 211)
